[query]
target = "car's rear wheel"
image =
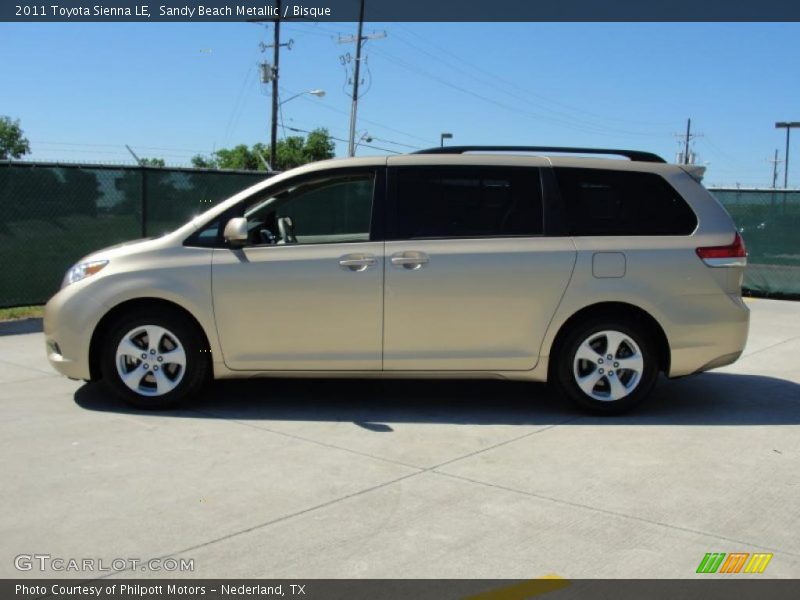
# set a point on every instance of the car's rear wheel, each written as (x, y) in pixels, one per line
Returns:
(154, 360)
(607, 366)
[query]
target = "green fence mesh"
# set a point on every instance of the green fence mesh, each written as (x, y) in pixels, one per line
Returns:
(52, 215)
(769, 221)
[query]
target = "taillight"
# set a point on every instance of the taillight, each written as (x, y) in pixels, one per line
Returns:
(733, 255)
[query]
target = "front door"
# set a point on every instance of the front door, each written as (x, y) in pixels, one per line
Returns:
(306, 291)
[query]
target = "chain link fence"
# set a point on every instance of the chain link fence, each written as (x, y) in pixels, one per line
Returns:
(769, 221)
(54, 214)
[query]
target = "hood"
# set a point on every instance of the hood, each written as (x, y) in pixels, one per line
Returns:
(129, 247)
(123, 244)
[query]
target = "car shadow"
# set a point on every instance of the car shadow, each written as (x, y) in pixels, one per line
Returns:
(375, 404)
(21, 326)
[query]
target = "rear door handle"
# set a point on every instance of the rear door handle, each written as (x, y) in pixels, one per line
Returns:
(356, 262)
(411, 260)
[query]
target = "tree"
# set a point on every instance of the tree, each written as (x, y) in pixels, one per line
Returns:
(12, 143)
(238, 157)
(291, 152)
(152, 162)
(201, 162)
(319, 145)
(294, 151)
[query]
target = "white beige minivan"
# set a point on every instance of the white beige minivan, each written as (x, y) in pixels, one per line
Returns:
(507, 262)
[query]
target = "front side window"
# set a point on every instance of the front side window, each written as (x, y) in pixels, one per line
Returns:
(324, 211)
(459, 202)
(608, 202)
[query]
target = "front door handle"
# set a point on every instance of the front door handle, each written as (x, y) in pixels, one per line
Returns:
(411, 260)
(356, 262)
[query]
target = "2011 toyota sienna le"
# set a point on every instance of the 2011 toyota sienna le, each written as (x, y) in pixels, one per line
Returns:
(592, 273)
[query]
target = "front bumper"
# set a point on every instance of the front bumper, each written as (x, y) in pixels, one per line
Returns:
(70, 318)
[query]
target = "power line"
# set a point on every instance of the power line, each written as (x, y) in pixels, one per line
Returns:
(238, 104)
(240, 101)
(105, 149)
(365, 120)
(384, 140)
(104, 153)
(536, 116)
(527, 93)
(374, 137)
(338, 139)
(395, 143)
(721, 152)
(111, 146)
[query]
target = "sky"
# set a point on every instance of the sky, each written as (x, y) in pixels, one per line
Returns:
(82, 91)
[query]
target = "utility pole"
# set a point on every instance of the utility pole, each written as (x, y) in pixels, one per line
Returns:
(351, 148)
(276, 56)
(684, 157)
(359, 40)
(775, 162)
(788, 125)
(269, 73)
(686, 144)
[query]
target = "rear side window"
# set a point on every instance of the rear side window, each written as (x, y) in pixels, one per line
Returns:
(606, 202)
(457, 202)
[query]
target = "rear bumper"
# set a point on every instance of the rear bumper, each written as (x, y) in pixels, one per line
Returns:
(705, 331)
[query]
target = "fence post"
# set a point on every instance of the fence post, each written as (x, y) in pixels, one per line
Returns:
(144, 202)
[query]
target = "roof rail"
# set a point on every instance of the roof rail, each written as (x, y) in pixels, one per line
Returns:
(630, 154)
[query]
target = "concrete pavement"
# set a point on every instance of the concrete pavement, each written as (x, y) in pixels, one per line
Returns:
(297, 479)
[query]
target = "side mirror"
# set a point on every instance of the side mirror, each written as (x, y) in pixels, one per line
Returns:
(235, 232)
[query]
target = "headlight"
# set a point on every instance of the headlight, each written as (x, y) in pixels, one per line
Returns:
(82, 271)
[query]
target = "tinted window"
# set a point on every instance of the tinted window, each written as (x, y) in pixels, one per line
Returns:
(331, 210)
(605, 202)
(207, 237)
(437, 202)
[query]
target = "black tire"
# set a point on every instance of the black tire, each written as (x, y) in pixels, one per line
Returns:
(190, 377)
(566, 370)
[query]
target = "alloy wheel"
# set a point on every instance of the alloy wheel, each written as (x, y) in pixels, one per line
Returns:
(150, 360)
(608, 365)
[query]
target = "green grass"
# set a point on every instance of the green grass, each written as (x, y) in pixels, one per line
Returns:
(20, 312)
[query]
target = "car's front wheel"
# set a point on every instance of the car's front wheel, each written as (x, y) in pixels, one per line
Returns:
(154, 360)
(607, 365)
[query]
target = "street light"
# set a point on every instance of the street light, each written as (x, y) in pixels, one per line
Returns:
(443, 137)
(788, 125)
(273, 150)
(317, 93)
(365, 137)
